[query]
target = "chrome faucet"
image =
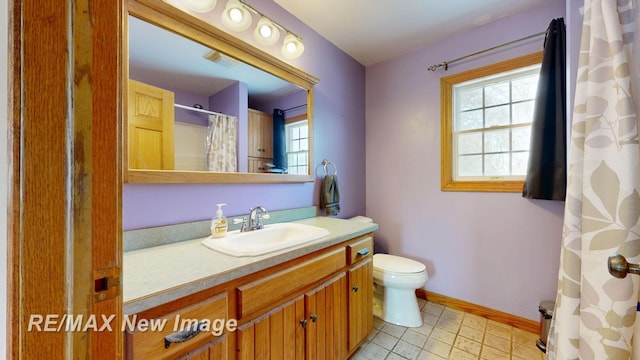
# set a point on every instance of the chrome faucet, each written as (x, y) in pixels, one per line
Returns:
(255, 219)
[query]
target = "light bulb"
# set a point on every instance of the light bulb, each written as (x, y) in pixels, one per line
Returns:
(265, 31)
(235, 15)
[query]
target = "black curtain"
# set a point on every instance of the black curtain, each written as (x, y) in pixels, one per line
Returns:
(547, 170)
(279, 145)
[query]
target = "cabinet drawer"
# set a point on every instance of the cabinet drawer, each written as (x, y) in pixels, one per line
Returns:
(261, 294)
(360, 249)
(150, 344)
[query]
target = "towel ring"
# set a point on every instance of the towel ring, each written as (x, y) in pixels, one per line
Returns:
(326, 163)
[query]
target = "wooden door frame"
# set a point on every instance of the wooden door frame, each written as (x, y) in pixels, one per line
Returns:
(65, 175)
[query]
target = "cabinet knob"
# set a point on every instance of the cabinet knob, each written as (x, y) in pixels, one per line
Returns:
(355, 289)
(303, 323)
(313, 318)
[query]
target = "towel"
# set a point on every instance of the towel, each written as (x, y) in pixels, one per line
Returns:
(329, 195)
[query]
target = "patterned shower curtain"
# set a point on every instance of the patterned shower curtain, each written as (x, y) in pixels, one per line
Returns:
(221, 143)
(595, 312)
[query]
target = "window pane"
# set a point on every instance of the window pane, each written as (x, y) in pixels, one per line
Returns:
(470, 120)
(496, 141)
(304, 144)
(470, 99)
(304, 131)
(522, 112)
(497, 116)
(470, 143)
(496, 94)
(525, 88)
(291, 160)
(302, 158)
(520, 138)
(519, 161)
(496, 164)
(295, 145)
(470, 165)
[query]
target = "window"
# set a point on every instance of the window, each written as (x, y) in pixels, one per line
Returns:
(297, 144)
(486, 125)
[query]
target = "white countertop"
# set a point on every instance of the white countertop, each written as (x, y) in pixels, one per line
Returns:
(160, 274)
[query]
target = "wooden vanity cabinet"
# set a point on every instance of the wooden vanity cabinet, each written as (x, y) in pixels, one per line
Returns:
(315, 307)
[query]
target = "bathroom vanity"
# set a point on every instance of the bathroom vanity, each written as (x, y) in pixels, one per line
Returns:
(311, 301)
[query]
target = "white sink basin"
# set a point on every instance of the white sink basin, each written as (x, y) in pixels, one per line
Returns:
(273, 237)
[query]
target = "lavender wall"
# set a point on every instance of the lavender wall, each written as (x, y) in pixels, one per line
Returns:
(492, 249)
(339, 118)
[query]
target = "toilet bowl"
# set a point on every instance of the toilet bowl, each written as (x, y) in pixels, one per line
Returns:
(395, 282)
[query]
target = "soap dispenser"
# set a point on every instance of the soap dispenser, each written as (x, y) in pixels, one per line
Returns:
(219, 223)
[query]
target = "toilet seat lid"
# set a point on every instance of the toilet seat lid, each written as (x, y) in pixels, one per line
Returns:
(397, 264)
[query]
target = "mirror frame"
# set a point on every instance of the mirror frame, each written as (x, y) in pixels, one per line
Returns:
(175, 20)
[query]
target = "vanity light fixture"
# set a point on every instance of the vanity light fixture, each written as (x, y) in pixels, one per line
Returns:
(267, 31)
(200, 6)
(236, 16)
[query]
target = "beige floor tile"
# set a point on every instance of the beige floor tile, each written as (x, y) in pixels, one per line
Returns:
(443, 335)
(425, 355)
(467, 345)
(497, 343)
(470, 333)
(498, 329)
(393, 329)
(374, 352)
(474, 322)
(490, 353)
(414, 338)
(525, 351)
(385, 340)
(449, 334)
(459, 354)
(407, 350)
(438, 347)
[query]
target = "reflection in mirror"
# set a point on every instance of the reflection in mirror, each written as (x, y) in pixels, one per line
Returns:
(191, 108)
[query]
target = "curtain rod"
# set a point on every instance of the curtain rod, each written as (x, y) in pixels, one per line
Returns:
(197, 109)
(295, 107)
(445, 64)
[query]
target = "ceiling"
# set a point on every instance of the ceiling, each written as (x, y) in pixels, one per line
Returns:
(371, 31)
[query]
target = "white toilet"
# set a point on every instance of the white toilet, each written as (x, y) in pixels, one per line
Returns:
(395, 281)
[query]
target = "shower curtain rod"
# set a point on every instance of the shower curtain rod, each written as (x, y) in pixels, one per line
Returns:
(295, 107)
(445, 64)
(197, 109)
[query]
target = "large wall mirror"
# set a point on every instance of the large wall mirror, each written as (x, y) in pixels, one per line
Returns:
(202, 106)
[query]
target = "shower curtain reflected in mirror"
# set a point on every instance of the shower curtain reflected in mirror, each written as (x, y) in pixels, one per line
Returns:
(221, 143)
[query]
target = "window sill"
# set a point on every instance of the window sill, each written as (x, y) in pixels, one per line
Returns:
(482, 186)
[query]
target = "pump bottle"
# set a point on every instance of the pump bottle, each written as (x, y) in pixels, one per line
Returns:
(219, 223)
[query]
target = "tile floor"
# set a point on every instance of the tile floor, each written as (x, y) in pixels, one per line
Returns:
(449, 334)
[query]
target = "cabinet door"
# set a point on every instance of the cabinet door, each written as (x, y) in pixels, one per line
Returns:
(260, 134)
(326, 310)
(360, 302)
(150, 136)
(278, 334)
